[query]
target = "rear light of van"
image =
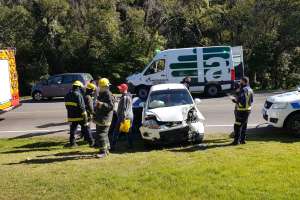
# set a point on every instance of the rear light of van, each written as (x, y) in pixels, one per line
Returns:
(232, 72)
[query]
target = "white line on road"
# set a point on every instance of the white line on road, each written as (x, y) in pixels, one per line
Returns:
(33, 131)
(229, 125)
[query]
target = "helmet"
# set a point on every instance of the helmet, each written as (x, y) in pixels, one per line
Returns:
(104, 82)
(78, 84)
(91, 86)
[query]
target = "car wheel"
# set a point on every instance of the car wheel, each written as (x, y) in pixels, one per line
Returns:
(198, 139)
(37, 96)
(212, 90)
(293, 123)
(142, 92)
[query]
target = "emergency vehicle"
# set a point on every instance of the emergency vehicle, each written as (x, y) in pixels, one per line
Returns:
(283, 111)
(9, 90)
(211, 69)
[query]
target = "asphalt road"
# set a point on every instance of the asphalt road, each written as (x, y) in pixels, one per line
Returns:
(48, 117)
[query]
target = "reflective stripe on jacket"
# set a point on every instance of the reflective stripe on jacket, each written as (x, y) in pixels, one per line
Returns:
(245, 99)
(75, 105)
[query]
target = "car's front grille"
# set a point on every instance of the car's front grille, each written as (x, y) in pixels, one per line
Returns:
(268, 104)
(174, 136)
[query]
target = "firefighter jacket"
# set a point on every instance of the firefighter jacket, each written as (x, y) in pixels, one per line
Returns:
(89, 105)
(75, 105)
(104, 112)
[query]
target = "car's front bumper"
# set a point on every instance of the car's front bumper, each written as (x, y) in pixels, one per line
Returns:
(175, 134)
(274, 117)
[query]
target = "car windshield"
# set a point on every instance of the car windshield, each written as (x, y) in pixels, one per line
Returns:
(169, 98)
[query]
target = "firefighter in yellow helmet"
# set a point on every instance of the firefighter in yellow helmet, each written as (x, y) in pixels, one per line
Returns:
(77, 114)
(104, 112)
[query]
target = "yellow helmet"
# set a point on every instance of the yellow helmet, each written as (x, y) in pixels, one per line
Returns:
(78, 83)
(104, 82)
(91, 86)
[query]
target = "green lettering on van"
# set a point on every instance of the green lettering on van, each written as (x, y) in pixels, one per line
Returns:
(216, 50)
(191, 65)
(187, 58)
(183, 73)
(215, 64)
(219, 55)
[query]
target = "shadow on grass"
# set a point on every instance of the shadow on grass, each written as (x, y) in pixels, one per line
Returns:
(26, 150)
(259, 134)
(37, 145)
(30, 135)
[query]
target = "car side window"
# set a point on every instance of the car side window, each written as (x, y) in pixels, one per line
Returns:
(156, 67)
(69, 79)
(56, 80)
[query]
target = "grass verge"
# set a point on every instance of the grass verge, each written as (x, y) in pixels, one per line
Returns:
(40, 168)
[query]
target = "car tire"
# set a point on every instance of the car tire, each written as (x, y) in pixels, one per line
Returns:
(198, 139)
(212, 90)
(293, 123)
(143, 92)
(37, 96)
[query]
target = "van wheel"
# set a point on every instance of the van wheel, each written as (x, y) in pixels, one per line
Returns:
(212, 90)
(198, 139)
(142, 92)
(37, 96)
(293, 123)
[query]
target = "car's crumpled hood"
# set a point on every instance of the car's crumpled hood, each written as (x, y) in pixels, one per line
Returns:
(173, 114)
(285, 97)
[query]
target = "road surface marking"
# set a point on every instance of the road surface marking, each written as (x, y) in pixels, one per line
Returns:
(33, 131)
(229, 125)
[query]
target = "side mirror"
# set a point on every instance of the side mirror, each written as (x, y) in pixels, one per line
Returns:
(197, 101)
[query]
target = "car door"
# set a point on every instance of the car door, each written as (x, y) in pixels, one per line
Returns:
(156, 73)
(52, 89)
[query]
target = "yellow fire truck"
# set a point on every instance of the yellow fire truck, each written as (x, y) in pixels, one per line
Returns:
(9, 90)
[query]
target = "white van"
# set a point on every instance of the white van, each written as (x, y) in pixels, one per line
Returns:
(212, 69)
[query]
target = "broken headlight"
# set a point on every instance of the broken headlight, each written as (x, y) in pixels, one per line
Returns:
(151, 122)
(192, 116)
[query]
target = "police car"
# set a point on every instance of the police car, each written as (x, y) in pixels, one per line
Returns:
(283, 111)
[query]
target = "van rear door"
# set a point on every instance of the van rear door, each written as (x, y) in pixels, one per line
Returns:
(238, 61)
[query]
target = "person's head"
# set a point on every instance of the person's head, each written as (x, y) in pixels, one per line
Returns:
(123, 88)
(104, 84)
(188, 79)
(245, 81)
(77, 85)
(90, 88)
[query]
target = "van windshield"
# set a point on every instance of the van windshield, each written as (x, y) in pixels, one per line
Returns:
(169, 98)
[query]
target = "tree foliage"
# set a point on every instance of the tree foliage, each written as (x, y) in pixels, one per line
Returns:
(115, 38)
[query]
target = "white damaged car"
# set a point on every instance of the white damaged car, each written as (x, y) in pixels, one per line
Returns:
(170, 115)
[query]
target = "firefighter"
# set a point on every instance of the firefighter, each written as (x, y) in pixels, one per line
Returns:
(104, 112)
(89, 102)
(243, 101)
(77, 114)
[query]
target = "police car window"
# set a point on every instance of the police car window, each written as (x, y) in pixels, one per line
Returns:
(55, 80)
(156, 67)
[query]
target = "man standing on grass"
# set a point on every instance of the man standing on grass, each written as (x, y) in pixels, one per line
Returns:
(104, 111)
(77, 114)
(124, 112)
(243, 101)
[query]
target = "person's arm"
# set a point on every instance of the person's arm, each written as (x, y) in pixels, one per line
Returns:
(81, 106)
(109, 105)
(90, 103)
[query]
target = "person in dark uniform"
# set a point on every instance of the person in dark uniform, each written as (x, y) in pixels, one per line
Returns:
(89, 102)
(243, 101)
(187, 82)
(104, 111)
(77, 114)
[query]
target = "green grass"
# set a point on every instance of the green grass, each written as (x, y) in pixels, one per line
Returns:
(40, 168)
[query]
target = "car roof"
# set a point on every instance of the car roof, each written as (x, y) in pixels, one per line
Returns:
(69, 74)
(168, 86)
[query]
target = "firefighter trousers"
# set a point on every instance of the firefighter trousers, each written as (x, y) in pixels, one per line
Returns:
(101, 137)
(240, 125)
(85, 130)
